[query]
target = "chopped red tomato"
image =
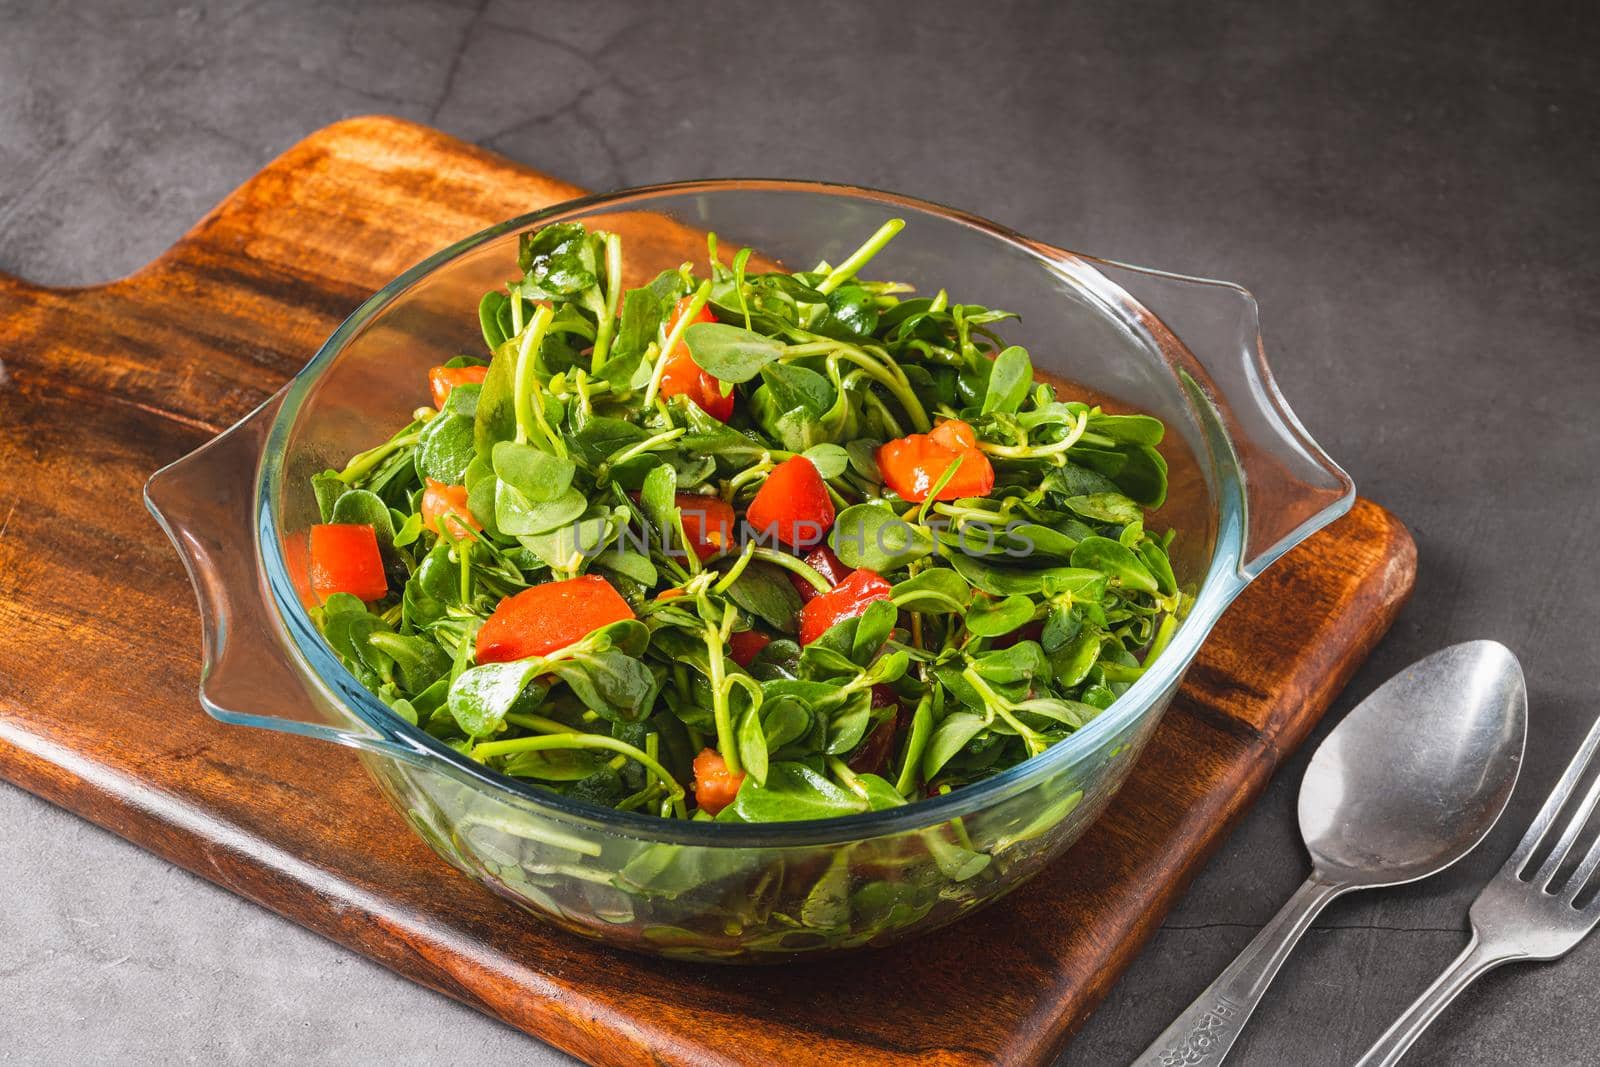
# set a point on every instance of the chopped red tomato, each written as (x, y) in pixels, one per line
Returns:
(954, 435)
(844, 601)
(873, 752)
(682, 376)
(822, 560)
(911, 465)
(547, 617)
(448, 502)
(708, 521)
(345, 559)
(793, 504)
(745, 645)
(443, 379)
(714, 786)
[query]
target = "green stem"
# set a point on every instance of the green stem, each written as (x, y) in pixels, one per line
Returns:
(730, 489)
(798, 566)
(891, 424)
(720, 712)
(608, 320)
(1164, 632)
(847, 778)
(526, 399)
(361, 465)
(649, 443)
(879, 372)
(569, 739)
(726, 581)
(697, 303)
(998, 704)
(1038, 451)
(464, 554)
(861, 256)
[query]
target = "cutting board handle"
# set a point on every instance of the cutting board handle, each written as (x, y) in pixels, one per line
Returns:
(206, 504)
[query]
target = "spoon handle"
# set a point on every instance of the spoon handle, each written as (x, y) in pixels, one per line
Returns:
(1207, 1029)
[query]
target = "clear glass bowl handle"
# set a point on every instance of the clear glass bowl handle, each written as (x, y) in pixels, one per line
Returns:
(1210, 332)
(205, 503)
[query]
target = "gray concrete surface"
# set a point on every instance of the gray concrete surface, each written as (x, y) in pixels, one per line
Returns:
(1412, 190)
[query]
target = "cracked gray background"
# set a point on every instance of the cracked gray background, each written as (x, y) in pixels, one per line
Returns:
(1411, 189)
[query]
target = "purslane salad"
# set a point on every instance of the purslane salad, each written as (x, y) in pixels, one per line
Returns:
(744, 545)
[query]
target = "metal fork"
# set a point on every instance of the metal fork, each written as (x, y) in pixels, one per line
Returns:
(1516, 916)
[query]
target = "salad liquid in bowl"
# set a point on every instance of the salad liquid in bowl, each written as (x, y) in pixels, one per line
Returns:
(754, 892)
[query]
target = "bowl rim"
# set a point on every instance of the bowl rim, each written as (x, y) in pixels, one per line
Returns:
(317, 665)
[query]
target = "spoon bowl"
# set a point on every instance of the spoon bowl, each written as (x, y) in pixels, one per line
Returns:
(1416, 775)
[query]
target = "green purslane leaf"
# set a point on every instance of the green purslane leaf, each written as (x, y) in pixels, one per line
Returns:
(874, 537)
(794, 792)
(731, 353)
(445, 447)
(766, 593)
(830, 459)
(753, 747)
(1106, 507)
(936, 591)
(947, 739)
(611, 683)
(1121, 564)
(481, 696)
(1009, 381)
(995, 618)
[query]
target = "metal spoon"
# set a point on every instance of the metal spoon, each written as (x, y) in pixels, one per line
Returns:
(1405, 786)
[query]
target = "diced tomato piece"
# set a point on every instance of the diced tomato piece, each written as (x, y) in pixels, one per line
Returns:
(448, 502)
(911, 465)
(705, 315)
(873, 751)
(682, 376)
(745, 645)
(714, 787)
(822, 560)
(345, 559)
(793, 504)
(954, 435)
(443, 379)
(540, 620)
(844, 601)
(708, 521)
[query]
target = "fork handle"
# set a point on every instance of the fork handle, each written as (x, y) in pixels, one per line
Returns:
(1207, 1029)
(1476, 959)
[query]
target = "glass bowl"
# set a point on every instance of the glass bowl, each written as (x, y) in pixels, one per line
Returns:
(1247, 484)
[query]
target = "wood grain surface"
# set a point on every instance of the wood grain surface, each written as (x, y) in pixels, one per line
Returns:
(101, 386)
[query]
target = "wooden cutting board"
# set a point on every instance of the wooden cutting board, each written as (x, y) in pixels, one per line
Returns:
(99, 667)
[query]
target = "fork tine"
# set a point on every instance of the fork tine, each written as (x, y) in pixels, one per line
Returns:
(1553, 804)
(1581, 876)
(1558, 855)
